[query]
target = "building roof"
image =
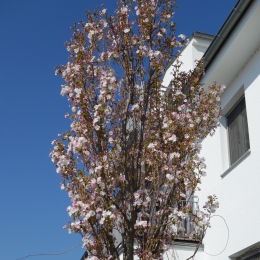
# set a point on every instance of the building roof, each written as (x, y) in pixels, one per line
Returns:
(226, 29)
(201, 35)
(196, 35)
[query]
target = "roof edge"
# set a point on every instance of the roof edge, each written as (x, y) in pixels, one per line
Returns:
(204, 36)
(226, 29)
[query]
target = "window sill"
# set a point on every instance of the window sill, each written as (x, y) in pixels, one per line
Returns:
(236, 163)
(188, 244)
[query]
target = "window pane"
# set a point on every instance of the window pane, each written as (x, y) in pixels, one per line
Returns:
(238, 131)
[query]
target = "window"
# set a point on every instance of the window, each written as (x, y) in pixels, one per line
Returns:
(253, 257)
(250, 253)
(237, 131)
(186, 227)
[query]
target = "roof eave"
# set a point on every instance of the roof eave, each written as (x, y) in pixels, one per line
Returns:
(226, 29)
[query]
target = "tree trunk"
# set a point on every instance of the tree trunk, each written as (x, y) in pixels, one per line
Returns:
(129, 241)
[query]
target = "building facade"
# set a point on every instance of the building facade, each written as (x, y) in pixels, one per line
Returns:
(232, 58)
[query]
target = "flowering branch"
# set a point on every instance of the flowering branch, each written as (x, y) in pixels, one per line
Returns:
(132, 154)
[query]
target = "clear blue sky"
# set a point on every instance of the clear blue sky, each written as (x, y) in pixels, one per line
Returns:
(32, 206)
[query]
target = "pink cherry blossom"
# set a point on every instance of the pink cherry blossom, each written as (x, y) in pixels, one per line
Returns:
(131, 157)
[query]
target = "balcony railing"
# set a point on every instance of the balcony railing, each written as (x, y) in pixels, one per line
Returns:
(186, 230)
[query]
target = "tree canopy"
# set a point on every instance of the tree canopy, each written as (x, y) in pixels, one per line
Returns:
(131, 157)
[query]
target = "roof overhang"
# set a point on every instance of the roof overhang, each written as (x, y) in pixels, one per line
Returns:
(226, 29)
(235, 44)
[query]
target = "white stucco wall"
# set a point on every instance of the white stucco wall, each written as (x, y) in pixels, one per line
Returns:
(238, 67)
(192, 53)
(236, 224)
(183, 251)
(239, 190)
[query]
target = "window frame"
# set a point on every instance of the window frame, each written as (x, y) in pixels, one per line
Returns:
(229, 108)
(233, 110)
(247, 253)
(250, 255)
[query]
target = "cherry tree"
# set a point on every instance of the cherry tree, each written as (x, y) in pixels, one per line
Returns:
(131, 156)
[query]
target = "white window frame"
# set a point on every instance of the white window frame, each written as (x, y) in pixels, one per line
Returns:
(227, 106)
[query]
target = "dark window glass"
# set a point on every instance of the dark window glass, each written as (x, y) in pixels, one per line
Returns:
(238, 131)
(253, 257)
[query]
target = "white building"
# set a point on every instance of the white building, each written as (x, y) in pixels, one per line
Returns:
(232, 58)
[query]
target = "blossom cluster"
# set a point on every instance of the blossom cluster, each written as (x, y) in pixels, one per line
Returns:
(131, 156)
